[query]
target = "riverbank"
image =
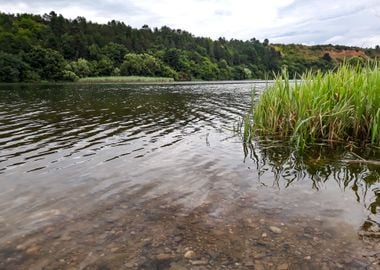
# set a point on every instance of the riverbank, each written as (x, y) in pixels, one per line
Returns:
(152, 82)
(124, 79)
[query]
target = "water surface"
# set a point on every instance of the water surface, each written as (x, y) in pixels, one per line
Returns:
(134, 177)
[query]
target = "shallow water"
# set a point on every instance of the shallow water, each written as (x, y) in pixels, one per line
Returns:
(134, 177)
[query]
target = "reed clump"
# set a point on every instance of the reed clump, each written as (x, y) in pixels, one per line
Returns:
(124, 79)
(339, 106)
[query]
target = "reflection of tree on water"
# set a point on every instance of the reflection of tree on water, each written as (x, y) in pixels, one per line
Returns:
(320, 164)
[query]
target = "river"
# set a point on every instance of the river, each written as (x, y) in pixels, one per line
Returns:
(153, 177)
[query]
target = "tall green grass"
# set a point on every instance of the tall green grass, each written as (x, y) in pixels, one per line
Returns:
(339, 106)
(124, 79)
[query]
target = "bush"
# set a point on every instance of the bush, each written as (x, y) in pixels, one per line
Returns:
(49, 64)
(13, 69)
(69, 76)
(104, 67)
(81, 67)
(145, 65)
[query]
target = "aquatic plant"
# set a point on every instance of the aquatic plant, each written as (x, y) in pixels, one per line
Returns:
(342, 105)
(126, 79)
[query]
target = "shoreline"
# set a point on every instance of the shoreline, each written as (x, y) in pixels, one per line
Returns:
(144, 83)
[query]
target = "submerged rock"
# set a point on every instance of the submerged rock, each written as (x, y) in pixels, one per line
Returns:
(199, 262)
(259, 266)
(163, 257)
(275, 229)
(34, 249)
(177, 266)
(189, 254)
(283, 266)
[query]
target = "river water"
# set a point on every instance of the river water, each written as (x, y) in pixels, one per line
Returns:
(153, 177)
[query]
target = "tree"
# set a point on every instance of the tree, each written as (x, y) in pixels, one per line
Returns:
(327, 57)
(145, 65)
(12, 68)
(132, 65)
(47, 63)
(81, 67)
(103, 67)
(176, 59)
(47, 43)
(115, 52)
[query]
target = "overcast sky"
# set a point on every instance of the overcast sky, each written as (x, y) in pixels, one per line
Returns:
(345, 22)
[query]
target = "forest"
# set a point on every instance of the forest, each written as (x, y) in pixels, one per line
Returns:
(35, 48)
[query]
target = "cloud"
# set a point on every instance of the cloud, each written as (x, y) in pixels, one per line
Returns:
(286, 21)
(338, 22)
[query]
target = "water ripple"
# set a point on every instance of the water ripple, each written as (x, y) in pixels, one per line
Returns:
(62, 125)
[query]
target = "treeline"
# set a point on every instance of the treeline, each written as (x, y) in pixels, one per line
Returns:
(53, 48)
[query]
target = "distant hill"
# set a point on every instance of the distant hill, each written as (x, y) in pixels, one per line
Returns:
(53, 48)
(336, 52)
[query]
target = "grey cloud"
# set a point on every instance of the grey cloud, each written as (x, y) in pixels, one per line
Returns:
(347, 22)
(108, 9)
(313, 21)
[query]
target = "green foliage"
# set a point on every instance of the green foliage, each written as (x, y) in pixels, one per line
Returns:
(47, 63)
(103, 67)
(51, 44)
(145, 65)
(176, 59)
(81, 67)
(69, 76)
(115, 52)
(116, 72)
(12, 68)
(340, 106)
(242, 73)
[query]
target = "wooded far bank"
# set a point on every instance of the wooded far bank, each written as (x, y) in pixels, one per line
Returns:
(37, 48)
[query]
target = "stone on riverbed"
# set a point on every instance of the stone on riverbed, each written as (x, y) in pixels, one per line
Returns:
(189, 254)
(275, 229)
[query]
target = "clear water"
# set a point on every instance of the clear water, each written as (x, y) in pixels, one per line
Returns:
(156, 162)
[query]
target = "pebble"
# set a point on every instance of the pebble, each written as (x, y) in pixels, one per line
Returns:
(264, 235)
(249, 264)
(48, 230)
(189, 254)
(199, 262)
(114, 249)
(177, 266)
(65, 238)
(259, 266)
(32, 250)
(163, 257)
(129, 265)
(178, 239)
(259, 255)
(21, 247)
(283, 266)
(275, 229)
(307, 258)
